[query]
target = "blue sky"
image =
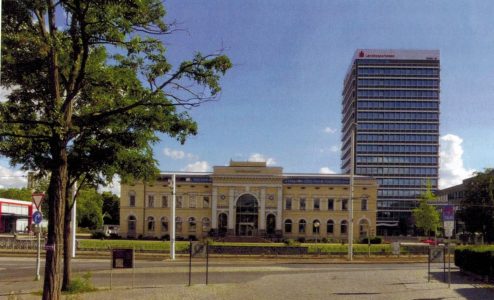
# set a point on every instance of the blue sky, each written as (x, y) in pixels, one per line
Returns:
(282, 99)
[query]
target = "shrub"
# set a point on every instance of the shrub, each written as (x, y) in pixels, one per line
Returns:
(301, 239)
(166, 237)
(374, 240)
(291, 243)
(476, 260)
(192, 238)
(81, 284)
(100, 235)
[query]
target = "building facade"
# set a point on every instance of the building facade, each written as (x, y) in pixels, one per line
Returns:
(390, 127)
(250, 199)
(15, 215)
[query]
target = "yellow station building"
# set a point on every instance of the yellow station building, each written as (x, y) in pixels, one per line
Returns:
(250, 199)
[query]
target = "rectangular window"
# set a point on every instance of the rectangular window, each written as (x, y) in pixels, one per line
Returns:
(192, 201)
(317, 204)
(150, 201)
(288, 204)
(132, 200)
(363, 204)
(344, 204)
(164, 201)
(330, 204)
(302, 203)
(205, 202)
(179, 202)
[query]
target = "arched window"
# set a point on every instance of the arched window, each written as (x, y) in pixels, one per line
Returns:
(205, 224)
(192, 224)
(316, 227)
(364, 228)
(132, 198)
(164, 224)
(131, 224)
(150, 222)
(330, 227)
(178, 224)
(301, 226)
(344, 227)
(288, 226)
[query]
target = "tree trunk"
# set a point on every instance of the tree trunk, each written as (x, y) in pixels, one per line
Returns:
(54, 251)
(67, 245)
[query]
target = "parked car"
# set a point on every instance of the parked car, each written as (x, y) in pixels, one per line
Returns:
(430, 242)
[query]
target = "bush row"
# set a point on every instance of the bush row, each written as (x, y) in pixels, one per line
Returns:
(476, 260)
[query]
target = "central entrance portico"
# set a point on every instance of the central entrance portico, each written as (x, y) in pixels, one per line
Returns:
(247, 216)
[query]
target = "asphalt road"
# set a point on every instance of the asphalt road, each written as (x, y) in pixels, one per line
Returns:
(253, 279)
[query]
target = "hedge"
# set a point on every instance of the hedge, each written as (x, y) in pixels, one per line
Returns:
(478, 260)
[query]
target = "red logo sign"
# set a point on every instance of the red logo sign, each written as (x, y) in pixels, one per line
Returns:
(361, 54)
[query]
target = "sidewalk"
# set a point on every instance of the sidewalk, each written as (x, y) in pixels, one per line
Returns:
(296, 279)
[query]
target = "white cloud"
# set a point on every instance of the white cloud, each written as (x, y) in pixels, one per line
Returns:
(113, 187)
(174, 154)
(178, 154)
(326, 170)
(198, 166)
(452, 171)
(334, 148)
(258, 157)
(329, 130)
(10, 178)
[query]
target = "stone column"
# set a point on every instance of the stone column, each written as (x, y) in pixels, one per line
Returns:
(279, 211)
(214, 210)
(231, 212)
(262, 212)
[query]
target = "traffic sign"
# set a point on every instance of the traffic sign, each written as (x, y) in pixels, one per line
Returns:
(37, 217)
(448, 213)
(37, 199)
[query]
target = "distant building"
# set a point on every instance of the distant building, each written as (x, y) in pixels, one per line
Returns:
(15, 215)
(249, 199)
(390, 103)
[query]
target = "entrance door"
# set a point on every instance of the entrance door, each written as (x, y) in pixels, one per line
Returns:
(247, 215)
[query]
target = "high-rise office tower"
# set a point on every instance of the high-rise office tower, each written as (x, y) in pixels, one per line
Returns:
(391, 108)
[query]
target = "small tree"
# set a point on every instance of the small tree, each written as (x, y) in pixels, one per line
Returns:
(426, 216)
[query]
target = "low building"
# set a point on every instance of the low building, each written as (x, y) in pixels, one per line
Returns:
(15, 215)
(250, 199)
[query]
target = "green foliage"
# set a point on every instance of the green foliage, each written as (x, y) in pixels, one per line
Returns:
(136, 244)
(16, 194)
(426, 216)
(374, 240)
(111, 208)
(89, 209)
(477, 207)
(478, 260)
(291, 243)
(81, 284)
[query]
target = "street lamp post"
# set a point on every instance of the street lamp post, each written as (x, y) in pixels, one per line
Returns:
(172, 236)
(316, 225)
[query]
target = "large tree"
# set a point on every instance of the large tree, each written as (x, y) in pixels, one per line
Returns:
(90, 81)
(477, 207)
(425, 215)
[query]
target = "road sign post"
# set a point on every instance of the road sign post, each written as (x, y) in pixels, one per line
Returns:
(37, 218)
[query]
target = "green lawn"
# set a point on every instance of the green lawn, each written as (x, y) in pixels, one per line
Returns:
(183, 245)
(136, 244)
